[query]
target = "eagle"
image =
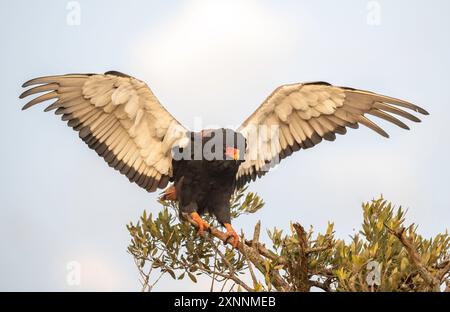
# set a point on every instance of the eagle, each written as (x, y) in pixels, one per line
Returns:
(120, 118)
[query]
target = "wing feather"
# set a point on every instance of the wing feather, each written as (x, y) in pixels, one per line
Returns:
(119, 117)
(308, 113)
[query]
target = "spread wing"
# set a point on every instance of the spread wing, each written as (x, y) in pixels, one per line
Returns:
(119, 117)
(299, 116)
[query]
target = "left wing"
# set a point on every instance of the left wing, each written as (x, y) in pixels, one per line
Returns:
(120, 118)
(299, 116)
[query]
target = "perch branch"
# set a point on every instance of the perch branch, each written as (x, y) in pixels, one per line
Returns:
(253, 255)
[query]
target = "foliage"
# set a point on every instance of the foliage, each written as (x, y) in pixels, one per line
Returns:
(383, 256)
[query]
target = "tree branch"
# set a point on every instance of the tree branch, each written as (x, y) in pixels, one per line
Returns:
(254, 244)
(415, 258)
(444, 270)
(230, 276)
(277, 281)
(302, 264)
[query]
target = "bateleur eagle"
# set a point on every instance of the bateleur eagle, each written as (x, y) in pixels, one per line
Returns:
(121, 119)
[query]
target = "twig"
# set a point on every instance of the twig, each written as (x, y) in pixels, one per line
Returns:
(443, 264)
(225, 260)
(324, 286)
(156, 281)
(254, 246)
(214, 273)
(302, 264)
(230, 276)
(223, 285)
(252, 274)
(414, 256)
(145, 276)
(278, 282)
(256, 234)
(445, 269)
(318, 249)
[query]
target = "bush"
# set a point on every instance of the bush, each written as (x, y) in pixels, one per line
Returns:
(385, 255)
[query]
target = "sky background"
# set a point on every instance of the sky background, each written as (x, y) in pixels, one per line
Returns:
(213, 61)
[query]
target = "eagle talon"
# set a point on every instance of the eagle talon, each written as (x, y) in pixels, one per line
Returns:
(231, 233)
(202, 224)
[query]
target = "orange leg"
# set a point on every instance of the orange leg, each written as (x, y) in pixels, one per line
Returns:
(202, 224)
(170, 193)
(232, 234)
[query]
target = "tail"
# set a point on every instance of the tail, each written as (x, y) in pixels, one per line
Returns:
(169, 193)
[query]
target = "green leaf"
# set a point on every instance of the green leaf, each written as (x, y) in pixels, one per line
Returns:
(404, 264)
(192, 277)
(171, 273)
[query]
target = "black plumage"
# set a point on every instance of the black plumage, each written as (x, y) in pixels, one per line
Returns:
(204, 174)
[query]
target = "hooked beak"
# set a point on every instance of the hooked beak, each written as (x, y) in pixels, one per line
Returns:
(232, 153)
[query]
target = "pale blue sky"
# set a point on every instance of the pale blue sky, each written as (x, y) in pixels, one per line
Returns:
(215, 61)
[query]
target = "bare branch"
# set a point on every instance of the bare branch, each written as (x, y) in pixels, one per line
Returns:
(256, 234)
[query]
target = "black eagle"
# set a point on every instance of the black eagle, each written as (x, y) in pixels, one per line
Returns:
(119, 117)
